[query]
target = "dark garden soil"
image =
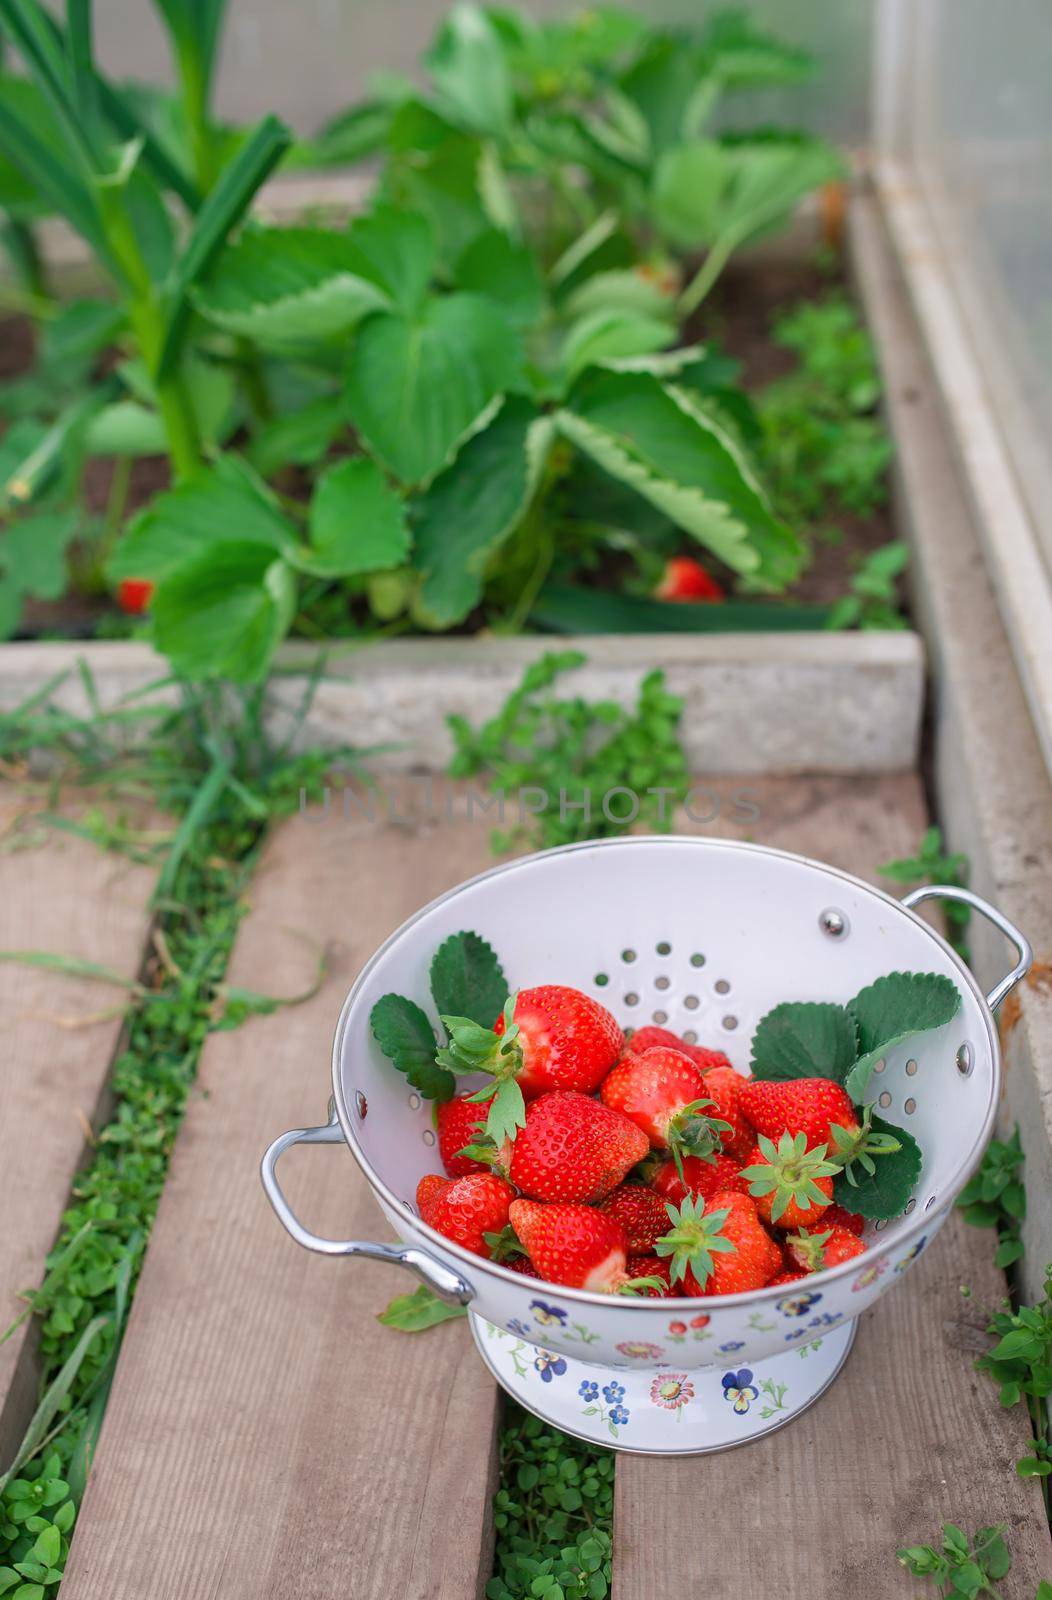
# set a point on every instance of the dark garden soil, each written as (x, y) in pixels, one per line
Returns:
(738, 315)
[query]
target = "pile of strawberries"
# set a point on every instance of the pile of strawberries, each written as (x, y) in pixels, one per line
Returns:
(641, 1166)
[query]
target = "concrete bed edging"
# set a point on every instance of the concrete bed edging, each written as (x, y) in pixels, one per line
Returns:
(753, 703)
(992, 787)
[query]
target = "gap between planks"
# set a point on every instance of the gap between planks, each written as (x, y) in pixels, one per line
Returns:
(61, 893)
(265, 1436)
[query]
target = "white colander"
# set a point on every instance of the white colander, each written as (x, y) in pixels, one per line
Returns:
(703, 936)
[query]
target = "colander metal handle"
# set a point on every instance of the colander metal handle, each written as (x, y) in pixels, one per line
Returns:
(445, 1283)
(949, 891)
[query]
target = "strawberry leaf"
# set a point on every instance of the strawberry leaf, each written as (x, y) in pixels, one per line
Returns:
(467, 979)
(804, 1039)
(892, 1010)
(407, 1039)
(507, 1112)
(884, 1192)
(412, 1313)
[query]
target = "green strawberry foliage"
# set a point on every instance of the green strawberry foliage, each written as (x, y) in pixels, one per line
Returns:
(468, 988)
(805, 1039)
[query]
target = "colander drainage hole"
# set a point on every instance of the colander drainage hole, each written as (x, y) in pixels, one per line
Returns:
(429, 1136)
(662, 982)
(361, 1104)
(722, 986)
(730, 1023)
(631, 999)
(911, 1205)
(879, 1066)
(689, 1036)
(909, 1106)
(697, 959)
(690, 1001)
(628, 956)
(660, 1017)
(601, 980)
(929, 1202)
(884, 1100)
(882, 1224)
(911, 1069)
(414, 1102)
(664, 948)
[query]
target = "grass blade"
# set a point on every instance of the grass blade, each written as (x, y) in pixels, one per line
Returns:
(197, 813)
(56, 182)
(225, 207)
(72, 966)
(39, 43)
(80, 60)
(49, 1406)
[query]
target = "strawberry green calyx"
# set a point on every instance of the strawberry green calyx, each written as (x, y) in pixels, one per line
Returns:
(472, 1048)
(635, 1288)
(505, 1245)
(789, 1173)
(861, 1144)
(694, 1238)
(809, 1249)
(691, 1132)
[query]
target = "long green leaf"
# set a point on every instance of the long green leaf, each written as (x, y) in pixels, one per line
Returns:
(566, 608)
(225, 207)
(39, 43)
(80, 60)
(49, 1406)
(60, 186)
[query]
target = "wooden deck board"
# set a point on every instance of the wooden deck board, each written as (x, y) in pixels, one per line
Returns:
(265, 1436)
(908, 1436)
(61, 893)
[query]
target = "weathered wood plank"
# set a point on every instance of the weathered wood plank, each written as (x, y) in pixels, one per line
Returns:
(60, 893)
(266, 1437)
(908, 1436)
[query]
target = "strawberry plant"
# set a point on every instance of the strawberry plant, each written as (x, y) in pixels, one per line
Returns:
(453, 411)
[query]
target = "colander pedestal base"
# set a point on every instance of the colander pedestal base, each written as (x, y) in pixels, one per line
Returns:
(663, 1410)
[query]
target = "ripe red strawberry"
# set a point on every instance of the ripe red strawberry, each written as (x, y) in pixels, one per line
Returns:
(573, 1245)
(786, 1277)
(721, 1248)
(649, 1037)
(792, 1186)
(641, 1213)
(686, 579)
(664, 1094)
(699, 1178)
(460, 1122)
(835, 1216)
(522, 1265)
(133, 595)
(573, 1148)
(814, 1252)
(726, 1088)
(811, 1106)
(465, 1208)
(651, 1266)
(547, 1038)
(567, 1040)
